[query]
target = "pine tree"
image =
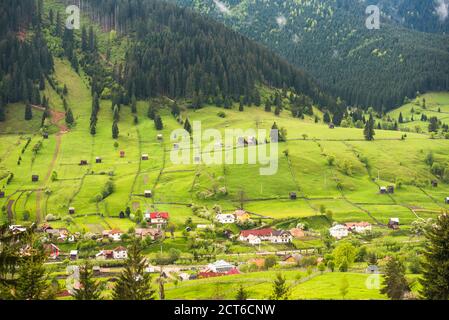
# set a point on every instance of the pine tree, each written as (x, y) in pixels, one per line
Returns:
(134, 283)
(2, 111)
(395, 285)
(241, 294)
(116, 114)
(89, 289)
(158, 122)
(368, 132)
(401, 119)
(281, 291)
(435, 281)
(267, 106)
(133, 104)
(93, 129)
(84, 45)
(115, 131)
(187, 126)
(175, 110)
(28, 112)
(434, 125)
(326, 117)
(151, 111)
(33, 282)
(69, 117)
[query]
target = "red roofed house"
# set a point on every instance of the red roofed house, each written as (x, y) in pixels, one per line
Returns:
(159, 219)
(52, 250)
(262, 234)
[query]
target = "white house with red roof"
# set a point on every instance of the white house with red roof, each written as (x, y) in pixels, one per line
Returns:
(114, 234)
(160, 219)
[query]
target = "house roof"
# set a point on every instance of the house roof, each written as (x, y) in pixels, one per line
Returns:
(259, 232)
(357, 224)
(115, 231)
(74, 252)
(120, 249)
(239, 213)
(221, 263)
(278, 233)
(159, 215)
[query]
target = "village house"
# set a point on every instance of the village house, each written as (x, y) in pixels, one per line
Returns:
(339, 231)
(297, 233)
(52, 251)
(393, 223)
(358, 227)
(253, 240)
(148, 193)
(158, 219)
(105, 255)
(292, 258)
(262, 234)
(114, 235)
(220, 266)
(242, 216)
(73, 254)
(225, 218)
(16, 229)
(281, 236)
(143, 233)
(120, 253)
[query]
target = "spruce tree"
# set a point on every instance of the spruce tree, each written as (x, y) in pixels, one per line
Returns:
(2, 112)
(175, 110)
(280, 290)
(368, 132)
(395, 285)
(401, 119)
(28, 112)
(133, 104)
(134, 283)
(69, 117)
(267, 106)
(89, 289)
(435, 281)
(326, 117)
(116, 114)
(158, 122)
(115, 130)
(33, 282)
(151, 111)
(187, 126)
(241, 294)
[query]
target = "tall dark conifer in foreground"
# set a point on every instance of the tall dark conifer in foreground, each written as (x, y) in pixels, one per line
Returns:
(28, 112)
(368, 132)
(395, 285)
(435, 281)
(115, 130)
(134, 283)
(89, 289)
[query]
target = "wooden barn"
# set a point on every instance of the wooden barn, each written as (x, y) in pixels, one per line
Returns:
(293, 196)
(390, 189)
(83, 163)
(148, 193)
(45, 135)
(383, 190)
(434, 183)
(160, 137)
(447, 200)
(34, 178)
(122, 154)
(98, 160)
(331, 126)
(71, 210)
(145, 157)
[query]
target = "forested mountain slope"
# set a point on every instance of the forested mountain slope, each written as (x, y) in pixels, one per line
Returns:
(178, 53)
(329, 39)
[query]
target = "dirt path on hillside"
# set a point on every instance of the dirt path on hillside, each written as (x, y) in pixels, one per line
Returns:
(56, 118)
(9, 210)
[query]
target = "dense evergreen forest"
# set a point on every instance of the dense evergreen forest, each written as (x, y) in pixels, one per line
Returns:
(329, 39)
(180, 54)
(24, 56)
